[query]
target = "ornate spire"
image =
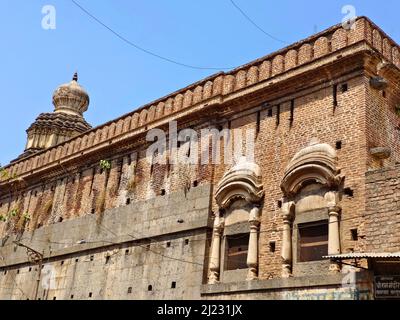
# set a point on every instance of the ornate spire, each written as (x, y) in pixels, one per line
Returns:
(71, 98)
(70, 102)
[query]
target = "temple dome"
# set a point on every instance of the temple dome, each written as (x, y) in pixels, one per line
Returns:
(71, 98)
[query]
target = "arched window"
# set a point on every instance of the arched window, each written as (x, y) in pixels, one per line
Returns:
(234, 250)
(310, 209)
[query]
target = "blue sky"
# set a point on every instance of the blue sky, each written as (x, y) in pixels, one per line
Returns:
(120, 78)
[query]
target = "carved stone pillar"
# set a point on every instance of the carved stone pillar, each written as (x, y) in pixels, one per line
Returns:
(334, 237)
(216, 251)
(287, 213)
(333, 230)
(252, 255)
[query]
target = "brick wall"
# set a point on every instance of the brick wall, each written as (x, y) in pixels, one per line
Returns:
(382, 214)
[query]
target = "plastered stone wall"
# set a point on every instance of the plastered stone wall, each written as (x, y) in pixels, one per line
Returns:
(134, 246)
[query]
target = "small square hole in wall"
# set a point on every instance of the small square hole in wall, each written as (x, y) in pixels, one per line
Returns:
(272, 245)
(90, 294)
(128, 201)
(93, 211)
(269, 113)
(186, 242)
(91, 258)
(162, 192)
(354, 234)
(279, 204)
(348, 192)
(60, 219)
(76, 260)
(30, 269)
(62, 262)
(108, 259)
(344, 87)
(338, 145)
(168, 244)
(5, 271)
(195, 183)
(384, 93)
(173, 285)
(150, 288)
(129, 290)
(54, 298)
(72, 296)
(18, 271)
(126, 252)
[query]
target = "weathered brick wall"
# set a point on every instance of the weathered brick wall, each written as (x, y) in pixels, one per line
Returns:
(383, 122)
(68, 187)
(382, 214)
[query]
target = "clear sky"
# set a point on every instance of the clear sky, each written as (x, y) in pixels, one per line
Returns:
(120, 78)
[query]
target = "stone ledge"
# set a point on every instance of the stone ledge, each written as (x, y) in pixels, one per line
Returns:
(276, 284)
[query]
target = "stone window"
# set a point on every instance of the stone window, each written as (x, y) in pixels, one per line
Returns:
(236, 252)
(311, 211)
(313, 241)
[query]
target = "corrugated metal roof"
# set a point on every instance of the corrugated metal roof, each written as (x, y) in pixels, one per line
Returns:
(364, 255)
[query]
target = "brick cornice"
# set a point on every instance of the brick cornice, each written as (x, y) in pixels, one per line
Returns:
(311, 53)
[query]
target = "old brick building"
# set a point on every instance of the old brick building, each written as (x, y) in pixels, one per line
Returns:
(315, 214)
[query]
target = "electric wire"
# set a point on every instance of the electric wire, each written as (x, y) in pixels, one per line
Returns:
(255, 24)
(124, 39)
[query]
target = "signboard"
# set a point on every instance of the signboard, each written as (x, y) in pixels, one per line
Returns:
(387, 287)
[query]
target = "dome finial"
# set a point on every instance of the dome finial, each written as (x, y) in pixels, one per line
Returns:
(71, 98)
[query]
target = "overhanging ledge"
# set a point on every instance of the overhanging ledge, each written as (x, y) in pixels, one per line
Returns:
(364, 255)
(334, 280)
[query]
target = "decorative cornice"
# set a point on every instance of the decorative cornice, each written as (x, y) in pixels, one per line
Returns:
(316, 162)
(60, 121)
(243, 181)
(215, 88)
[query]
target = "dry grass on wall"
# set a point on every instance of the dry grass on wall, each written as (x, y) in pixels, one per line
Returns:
(130, 187)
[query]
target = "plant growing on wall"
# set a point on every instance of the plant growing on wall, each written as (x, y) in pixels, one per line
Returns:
(4, 174)
(23, 220)
(105, 164)
(13, 213)
(26, 216)
(101, 199)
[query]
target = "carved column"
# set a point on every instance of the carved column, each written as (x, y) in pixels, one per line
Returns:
(287, 213)
(216, 251)
(252, 255)
(333, 231)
